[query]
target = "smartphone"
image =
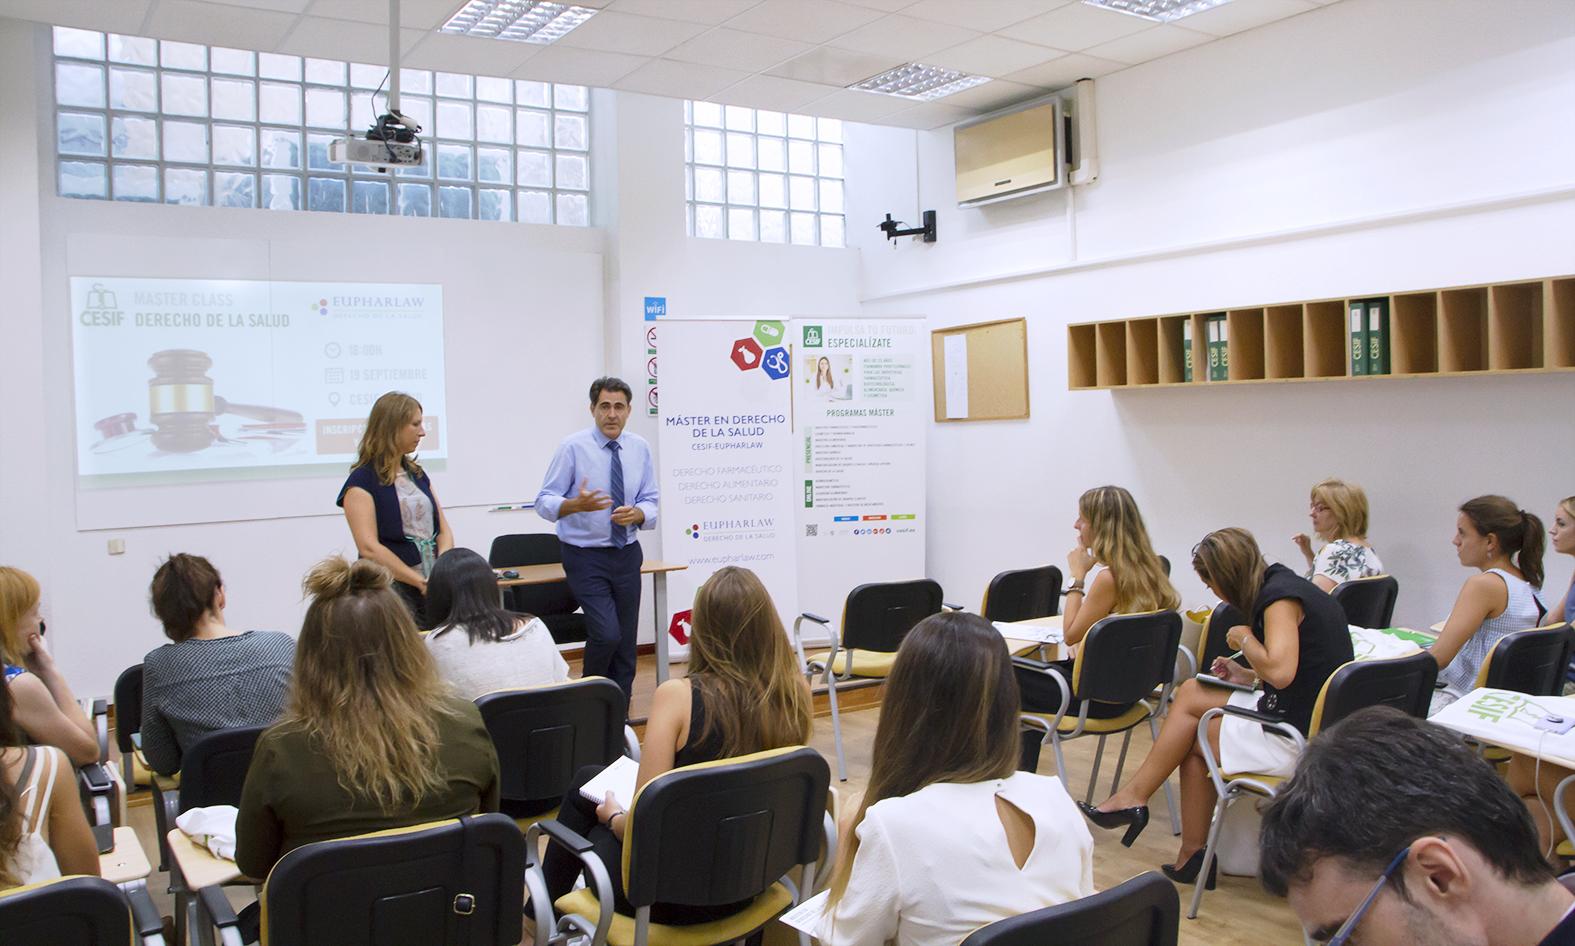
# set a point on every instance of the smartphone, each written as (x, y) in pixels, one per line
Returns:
(104, 837)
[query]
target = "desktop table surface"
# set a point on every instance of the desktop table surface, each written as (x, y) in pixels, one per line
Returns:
(126, 861)
(545, 574)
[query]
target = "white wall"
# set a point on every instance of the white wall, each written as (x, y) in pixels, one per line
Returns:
(1253, 170)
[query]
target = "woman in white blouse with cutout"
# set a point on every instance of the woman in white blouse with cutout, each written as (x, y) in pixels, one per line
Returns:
(950, 836)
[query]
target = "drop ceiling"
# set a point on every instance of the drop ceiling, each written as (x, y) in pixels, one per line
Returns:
(785, 55)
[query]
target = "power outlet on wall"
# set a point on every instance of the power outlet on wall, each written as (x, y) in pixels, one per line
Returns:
(117, 546)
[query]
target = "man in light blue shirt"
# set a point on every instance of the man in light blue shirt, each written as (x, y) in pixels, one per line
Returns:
(600, 489)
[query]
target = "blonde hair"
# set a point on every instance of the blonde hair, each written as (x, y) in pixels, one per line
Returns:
(1348, 503)
(380, 441)
(19, 592)
(1121, 541)
(1230, 561)
(365, 691)
(949, 714)
(743, 667)
(1569, 505)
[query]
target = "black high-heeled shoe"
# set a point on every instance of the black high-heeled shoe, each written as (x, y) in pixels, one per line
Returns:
(1135, 819)
(1188, 873)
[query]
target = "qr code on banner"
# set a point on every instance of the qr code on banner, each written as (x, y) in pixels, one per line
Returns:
(813, 529)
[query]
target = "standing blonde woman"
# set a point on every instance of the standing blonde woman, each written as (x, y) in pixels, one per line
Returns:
(370, 737)
(1338, 511)
(1113, 570)
(948, 836)
(394, 516)
(46, 710)
(743, 693)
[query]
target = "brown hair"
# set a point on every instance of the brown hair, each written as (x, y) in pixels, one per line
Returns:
(379, 442)
(743, 667)
(1348, 503)
(949, 715)
(1120, 540)
(18, 594)
(364, 690)
(184, 589)
(1519, 533)
(1230, 561)
(10, 804)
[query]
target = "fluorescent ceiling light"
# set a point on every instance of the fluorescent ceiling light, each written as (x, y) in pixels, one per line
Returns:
(919, 82)
(523, 21)
(1162, 11)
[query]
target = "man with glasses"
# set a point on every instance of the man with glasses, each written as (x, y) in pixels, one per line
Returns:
(1392, 831)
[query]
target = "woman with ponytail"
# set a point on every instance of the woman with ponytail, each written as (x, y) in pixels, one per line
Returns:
(209, 677)
(1505, 544)
(370, 737)
(43, 833)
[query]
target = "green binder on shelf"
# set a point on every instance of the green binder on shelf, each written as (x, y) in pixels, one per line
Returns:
(1376, 325)
(1219, 348)
(1186, 349)
(1358, 337)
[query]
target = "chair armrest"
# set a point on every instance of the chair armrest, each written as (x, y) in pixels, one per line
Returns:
(951, 606)
(1031, 663)
(569, 838)
(601, 881)
(100, 715)
(144, 915)
(1268, 721)
(812, 616)
(1185, 653)
(631, 743)
(216, 911)
(798, 643)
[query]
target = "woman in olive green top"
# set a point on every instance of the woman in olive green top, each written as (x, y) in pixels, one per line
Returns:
(370, 738)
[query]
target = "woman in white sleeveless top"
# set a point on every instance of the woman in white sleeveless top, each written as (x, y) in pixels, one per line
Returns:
(43, 833)
(949, 837)
(1505, 544)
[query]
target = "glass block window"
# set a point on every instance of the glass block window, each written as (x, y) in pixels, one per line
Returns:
(156, 121)
(766, 176)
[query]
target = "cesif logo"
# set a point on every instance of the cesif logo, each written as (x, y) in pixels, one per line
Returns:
(101, 308)
(812, 336)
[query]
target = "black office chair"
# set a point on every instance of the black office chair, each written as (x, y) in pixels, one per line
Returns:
(128, 727)
(875, 619)
(1123, 660)
(1023, 594)
(1144, 911)
(78, 911)
(1530, 662)
(212, 772)
(1211, 639)
(547, 733)
(704, 835)
(1405, 683)
(444, 883)
(1368, 602)
(553, 603)
(1164, 564)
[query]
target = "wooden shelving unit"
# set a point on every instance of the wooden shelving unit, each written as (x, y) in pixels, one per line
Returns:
(1523, 326)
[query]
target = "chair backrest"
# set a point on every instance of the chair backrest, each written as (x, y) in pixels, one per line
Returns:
(1531, 662)
(533, 548)
(1368, 602)
(1144, 911)
(128, 707)
(213, 770)
(1405, 683)
(1164, 564)
(403, 887)
(1211, 640)
(879, 615)
(69, 911)
(1023, 594)
(720, 832)
(1125, 656)
(545, 734)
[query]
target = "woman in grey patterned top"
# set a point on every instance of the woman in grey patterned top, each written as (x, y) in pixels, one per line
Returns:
(211, 677)
(1338, 511)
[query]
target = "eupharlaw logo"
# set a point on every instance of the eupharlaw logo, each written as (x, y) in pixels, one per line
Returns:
(693, 531)
(321, 305)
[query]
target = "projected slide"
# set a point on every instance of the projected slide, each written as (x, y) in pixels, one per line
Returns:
(197, 374)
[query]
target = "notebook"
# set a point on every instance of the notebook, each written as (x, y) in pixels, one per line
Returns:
(618, 778)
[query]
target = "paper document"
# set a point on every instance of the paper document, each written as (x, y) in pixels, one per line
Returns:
(1515, 721)
(618, 778)
(956, 356)
(1038, 633)
(806, 916)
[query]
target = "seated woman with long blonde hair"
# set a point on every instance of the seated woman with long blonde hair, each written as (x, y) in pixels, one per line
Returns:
(948, 836)
(1114, 570)
(743, 694)
(370, 738)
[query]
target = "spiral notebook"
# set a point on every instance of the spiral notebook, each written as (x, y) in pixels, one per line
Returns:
(618, 778)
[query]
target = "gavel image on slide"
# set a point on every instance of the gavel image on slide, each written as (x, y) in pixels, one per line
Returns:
(182, 405)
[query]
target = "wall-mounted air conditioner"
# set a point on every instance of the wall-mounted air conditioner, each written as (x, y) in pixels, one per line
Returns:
(1009, 154)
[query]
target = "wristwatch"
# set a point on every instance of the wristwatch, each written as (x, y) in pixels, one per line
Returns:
(1075, 588)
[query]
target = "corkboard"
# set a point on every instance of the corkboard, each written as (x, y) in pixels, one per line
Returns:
(997, 370)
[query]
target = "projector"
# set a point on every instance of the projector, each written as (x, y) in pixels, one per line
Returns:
(392, 142)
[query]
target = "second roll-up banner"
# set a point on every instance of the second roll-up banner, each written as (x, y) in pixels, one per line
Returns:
(794, 449)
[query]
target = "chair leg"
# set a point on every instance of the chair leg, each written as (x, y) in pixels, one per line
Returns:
(836, 727)
(1093, 777)
(1170, 792)
(1121, 761)
(1208, 853)
(1060, 761)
